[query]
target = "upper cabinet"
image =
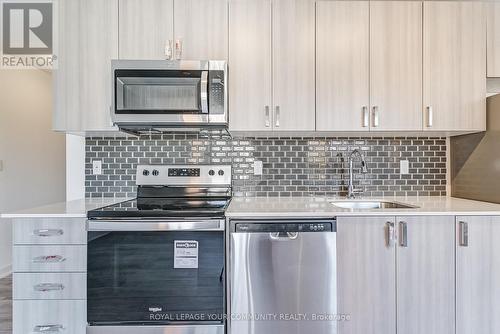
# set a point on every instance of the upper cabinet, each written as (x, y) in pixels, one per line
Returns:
(342, 65)
(368, 77)
(202, 27)
(493, 39)
(271, 65)
(145, 26)
(396, 65)
(82, 86)
(454, 66)
(250, 65)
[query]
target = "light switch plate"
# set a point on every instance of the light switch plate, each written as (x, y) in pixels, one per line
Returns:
(257, 167)
(97, 167)
(404, 167)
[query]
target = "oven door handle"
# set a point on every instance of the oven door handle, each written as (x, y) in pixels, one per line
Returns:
(154, 225)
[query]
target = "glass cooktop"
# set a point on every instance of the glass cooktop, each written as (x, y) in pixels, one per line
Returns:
(163, 207)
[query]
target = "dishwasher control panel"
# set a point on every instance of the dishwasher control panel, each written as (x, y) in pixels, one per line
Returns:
(277, 226)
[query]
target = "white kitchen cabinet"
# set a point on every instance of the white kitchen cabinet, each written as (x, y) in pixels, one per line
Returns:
(271, 65)
(250, 65)
(145, 26)
(293, 65)
(454, 66)
(66, 77)
(396, 65)
(426, 275)
(203, 27)
(366, 269)
(478, 275)
(493, 45)
(342, 66)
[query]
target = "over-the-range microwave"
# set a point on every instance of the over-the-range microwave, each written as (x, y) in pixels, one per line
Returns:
(161, 94)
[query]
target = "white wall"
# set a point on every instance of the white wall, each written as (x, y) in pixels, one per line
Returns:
(33, 156)
(75, 167)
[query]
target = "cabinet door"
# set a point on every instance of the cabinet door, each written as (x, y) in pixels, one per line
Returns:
(366, 275)
(426, 275)
(293, 65)
(396, 65)
(478, 275)
(342, 65)
(250, 65)
(98, 45)
(66, 83)
(202, 26)
(145, 27)
(493, 39)
(454, 66)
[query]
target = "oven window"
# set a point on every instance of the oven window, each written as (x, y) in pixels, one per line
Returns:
(138, 277)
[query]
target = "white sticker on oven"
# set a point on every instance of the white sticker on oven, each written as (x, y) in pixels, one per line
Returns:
(186, 254)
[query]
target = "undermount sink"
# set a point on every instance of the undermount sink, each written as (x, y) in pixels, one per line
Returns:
(372, 205)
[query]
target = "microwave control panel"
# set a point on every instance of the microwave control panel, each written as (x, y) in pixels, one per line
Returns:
(216, 92)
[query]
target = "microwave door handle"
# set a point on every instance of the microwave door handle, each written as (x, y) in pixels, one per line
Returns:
(204, 92)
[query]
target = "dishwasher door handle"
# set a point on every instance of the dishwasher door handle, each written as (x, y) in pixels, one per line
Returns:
(284, 236)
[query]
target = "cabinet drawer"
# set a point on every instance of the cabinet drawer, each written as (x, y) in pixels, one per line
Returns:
(49, 231)
(49, 316)
(50, 286)
(49, 258)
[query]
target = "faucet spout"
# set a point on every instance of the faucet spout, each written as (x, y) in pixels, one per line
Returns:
(351, 192)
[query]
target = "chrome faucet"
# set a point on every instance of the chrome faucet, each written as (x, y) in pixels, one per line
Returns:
(351, 192)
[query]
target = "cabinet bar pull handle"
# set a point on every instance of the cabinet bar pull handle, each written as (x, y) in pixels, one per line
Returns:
(268, 119)
(376, 120)
(390, 234)
(277, 124)
(403, 232)
(48, 232)
(430, 117)
(45, 287)
(366, 117)
(49, 259)
(48, 328)
(464, 234)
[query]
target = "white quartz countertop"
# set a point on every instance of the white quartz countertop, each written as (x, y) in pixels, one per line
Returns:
(70, 209)
(321, 207)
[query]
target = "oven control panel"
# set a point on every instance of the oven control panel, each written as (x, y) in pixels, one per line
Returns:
(184, 172)
(177, 175)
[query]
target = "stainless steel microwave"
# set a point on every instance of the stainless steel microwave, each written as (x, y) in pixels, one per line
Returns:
(169, 94)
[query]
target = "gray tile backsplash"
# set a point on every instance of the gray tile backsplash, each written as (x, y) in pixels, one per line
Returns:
(292, 166)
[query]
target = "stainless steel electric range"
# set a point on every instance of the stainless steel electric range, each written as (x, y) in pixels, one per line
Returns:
(156, 263)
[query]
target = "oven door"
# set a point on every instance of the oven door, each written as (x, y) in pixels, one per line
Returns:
(155, 277)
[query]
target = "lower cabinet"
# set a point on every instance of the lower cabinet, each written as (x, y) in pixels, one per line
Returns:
(478, 275)
(396, 275)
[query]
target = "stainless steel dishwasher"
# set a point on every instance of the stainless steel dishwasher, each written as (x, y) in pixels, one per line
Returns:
(283, 277)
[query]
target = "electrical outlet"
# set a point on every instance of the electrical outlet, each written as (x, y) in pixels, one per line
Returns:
(404, 167)
(257, 167)
(97, 167)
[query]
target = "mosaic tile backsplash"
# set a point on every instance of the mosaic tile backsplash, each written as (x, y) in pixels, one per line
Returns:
(292, 166)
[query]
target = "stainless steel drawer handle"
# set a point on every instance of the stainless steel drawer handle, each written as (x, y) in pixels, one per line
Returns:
(48, 329)
(403, 232)
(389, 227)
(49, 259)
(48, 232)
(430, 117)
(46, 287)
(464, 234)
